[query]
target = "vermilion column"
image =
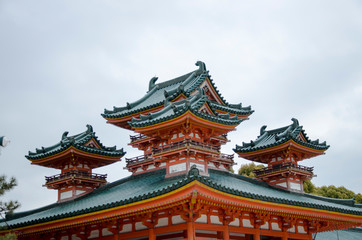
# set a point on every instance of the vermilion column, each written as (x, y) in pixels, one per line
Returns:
(151, 234)
(226, 233)
(116, 236)
(190, 231)
(285, 236)
(256, 235)
(310, 236)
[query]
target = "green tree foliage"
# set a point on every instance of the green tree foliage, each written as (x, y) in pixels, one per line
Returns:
(10, 236)
(248, 169)
(4, 187)
(309, 187)
(324, 191)
(9, 206)
(331, 191)
(335, 192)
(358, 198)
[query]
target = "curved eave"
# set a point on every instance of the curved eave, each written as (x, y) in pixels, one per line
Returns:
(183, 190)
(129, 115)
(124, 112)
(188, 115)
(225, 109)
(295, 145)
(90, 153)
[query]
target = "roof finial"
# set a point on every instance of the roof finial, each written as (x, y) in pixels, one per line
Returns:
(202, 66)
(295, 122)
(89, 128)
(194, 171)
(152, 83)
(65, 134)
(262, 130)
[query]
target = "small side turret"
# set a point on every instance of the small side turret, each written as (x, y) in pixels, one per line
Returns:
(281, 149)
(75, 156)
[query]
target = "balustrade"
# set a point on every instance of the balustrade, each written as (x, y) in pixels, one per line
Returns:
(185, 143)
(137, 137)
(76, 174)
(283, 167)
(175, 146)
(138, 159)
(227, 157)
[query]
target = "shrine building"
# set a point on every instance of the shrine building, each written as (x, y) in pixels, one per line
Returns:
(181, 186)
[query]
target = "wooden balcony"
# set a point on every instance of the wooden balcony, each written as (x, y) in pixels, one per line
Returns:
(226, 157)
(75, 174)
(184, 144)
(138, 159)
(187, 143)
(283, 168)
(137, 137)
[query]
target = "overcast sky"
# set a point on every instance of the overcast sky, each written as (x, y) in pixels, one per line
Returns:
(63, 62)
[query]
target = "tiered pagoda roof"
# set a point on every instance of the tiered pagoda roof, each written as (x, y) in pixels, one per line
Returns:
(193, 105)
(169, 100)
(85, 143)
(273, 140)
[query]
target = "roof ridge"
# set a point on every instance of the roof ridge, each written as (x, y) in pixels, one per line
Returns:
(174, 80)
(347, 202)
(77, 141)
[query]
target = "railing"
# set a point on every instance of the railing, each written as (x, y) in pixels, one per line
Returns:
(75, 174)
(138, 159)
(185, 143)
(137, 137)
(175, 146)
(228, 157)
(282, 167)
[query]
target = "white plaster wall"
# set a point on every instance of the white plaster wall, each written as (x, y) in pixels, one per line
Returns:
(301, 230)
(162, 222)
(66, 194)
(126, 228)
(202, 219)
(235, 223)
(215, 220)
(140, 226)
(177, 219)
(265, 226)
(275, 226)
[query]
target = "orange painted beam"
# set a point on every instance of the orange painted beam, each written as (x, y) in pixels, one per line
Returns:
(205, 195)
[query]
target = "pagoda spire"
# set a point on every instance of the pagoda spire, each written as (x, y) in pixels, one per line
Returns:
(281, 149)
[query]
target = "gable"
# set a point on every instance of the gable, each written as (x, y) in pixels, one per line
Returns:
(93, 144)
(206, 109)
(301, 137)
(209, 91)
(179, 98)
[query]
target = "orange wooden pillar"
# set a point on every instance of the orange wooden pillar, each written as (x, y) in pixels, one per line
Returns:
(226, 233)
(310, 236)
(285, 236)
(256, 234)
(190, 230)
(116, 236)
(151, 234)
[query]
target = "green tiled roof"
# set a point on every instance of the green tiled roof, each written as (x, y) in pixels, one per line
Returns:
(78, 141)
(193, 104)
(144, 186)
(276, 137)
(347, 234)
(161, 93)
